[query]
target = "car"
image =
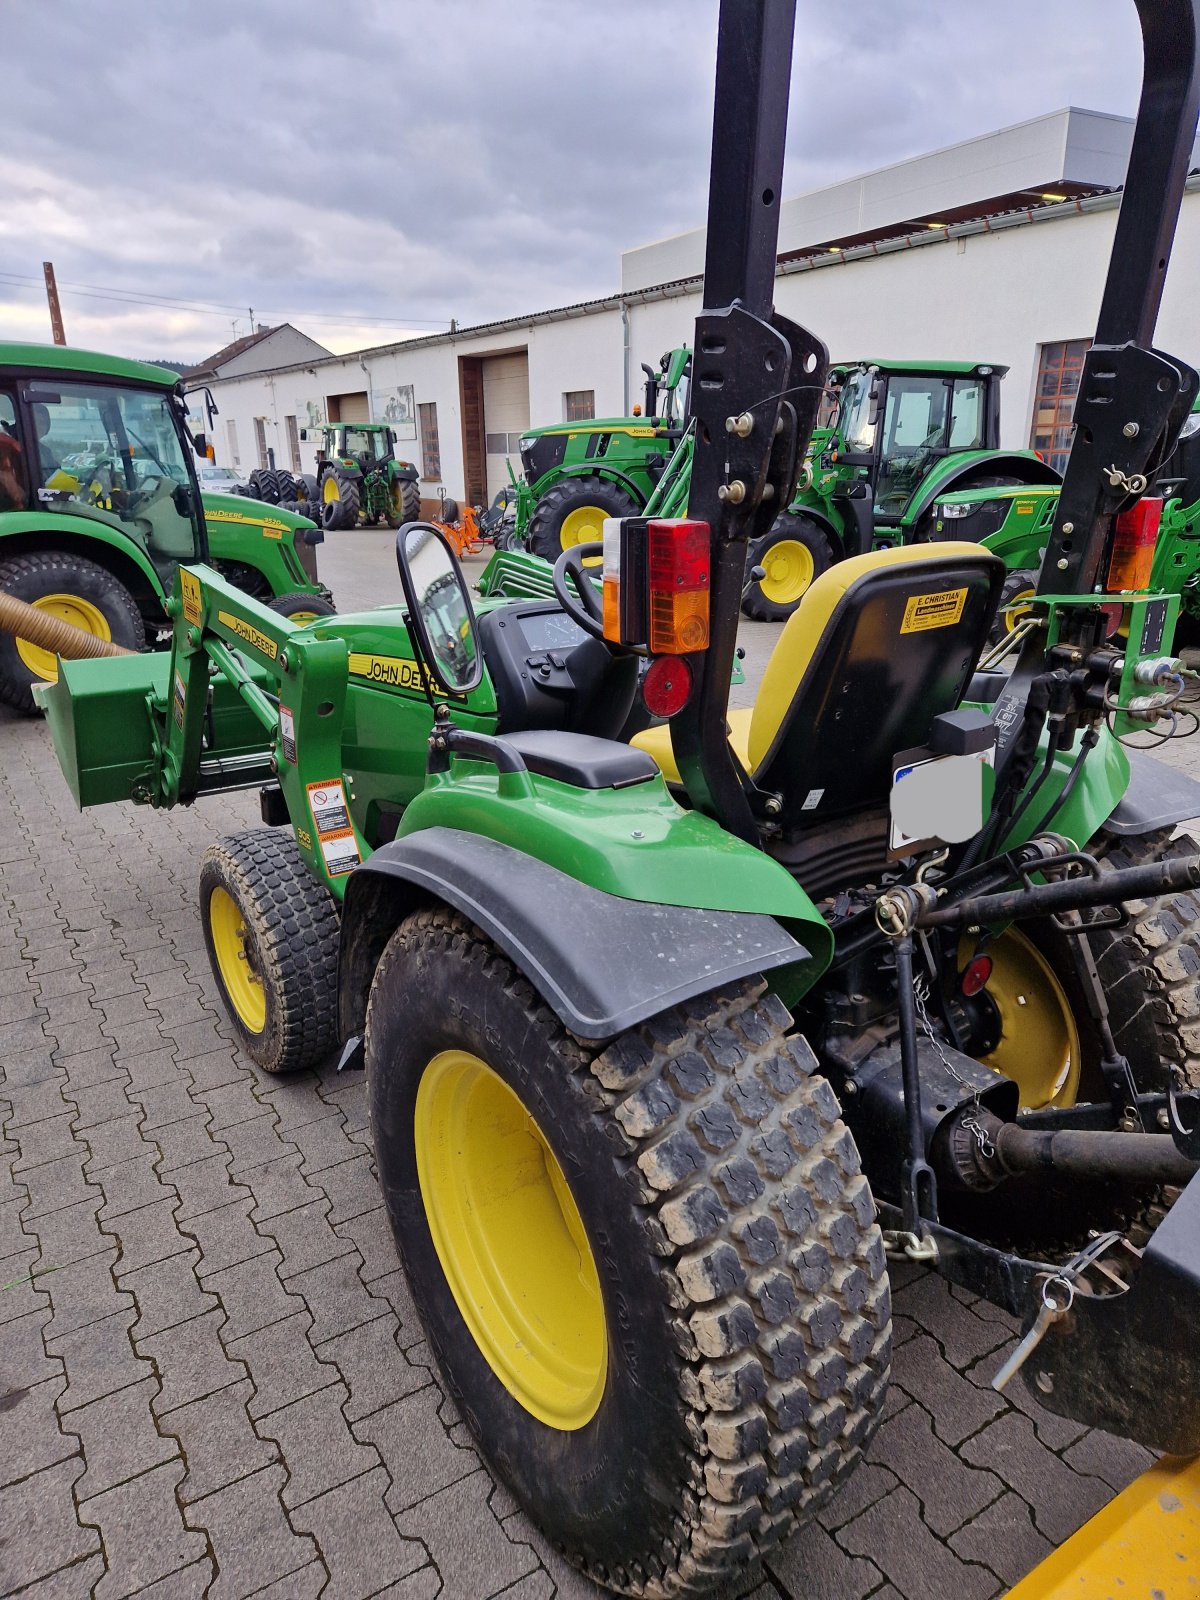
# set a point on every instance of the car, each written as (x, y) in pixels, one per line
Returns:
(215, 479)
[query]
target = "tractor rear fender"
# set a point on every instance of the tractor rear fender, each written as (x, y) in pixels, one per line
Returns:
(30, 533)
(595, 469)
(601, 962)
(958, 471)
(833, 530)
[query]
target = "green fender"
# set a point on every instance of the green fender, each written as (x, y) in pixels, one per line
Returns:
(1097, 794)
(85, 526)
(633, 843)
(590, 469)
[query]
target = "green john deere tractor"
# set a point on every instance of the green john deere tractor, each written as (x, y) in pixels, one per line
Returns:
(360, 477)
(673, 1044)
(901, 434)
(99, 504)
(578, 473)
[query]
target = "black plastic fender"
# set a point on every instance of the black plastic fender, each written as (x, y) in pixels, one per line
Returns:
(1158, 796)
(601, 963)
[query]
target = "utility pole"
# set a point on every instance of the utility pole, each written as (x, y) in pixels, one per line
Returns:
(56, 322)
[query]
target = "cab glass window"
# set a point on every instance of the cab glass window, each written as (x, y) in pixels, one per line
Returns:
(14, 479)
(966, 415)
(116, 455)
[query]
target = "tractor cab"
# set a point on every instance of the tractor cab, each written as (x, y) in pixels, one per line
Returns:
(666, 394)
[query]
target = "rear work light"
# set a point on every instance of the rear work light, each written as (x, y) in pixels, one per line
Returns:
(1134, 538)
(679, 560)
(656, 583)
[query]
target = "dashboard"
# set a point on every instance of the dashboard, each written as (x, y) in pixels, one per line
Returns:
(530, 649)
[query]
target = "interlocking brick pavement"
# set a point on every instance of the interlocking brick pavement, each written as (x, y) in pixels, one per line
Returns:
(212, 1380)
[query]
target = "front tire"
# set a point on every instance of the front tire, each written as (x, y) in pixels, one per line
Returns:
(795, 552)
(651, 1275)
(572, 512)
(75, 590)
(271, 931)
(302, 607)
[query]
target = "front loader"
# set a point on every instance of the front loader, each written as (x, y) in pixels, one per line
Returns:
(671, 1046)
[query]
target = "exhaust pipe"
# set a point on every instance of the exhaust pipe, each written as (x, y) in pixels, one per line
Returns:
(52, 633)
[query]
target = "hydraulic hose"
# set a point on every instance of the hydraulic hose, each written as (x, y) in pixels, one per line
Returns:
(52, 633)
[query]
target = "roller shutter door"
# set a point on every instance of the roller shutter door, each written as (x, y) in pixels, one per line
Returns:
(505, 414)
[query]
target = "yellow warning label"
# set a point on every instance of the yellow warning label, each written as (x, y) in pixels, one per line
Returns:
(262, 642)
(190, 588)
(1025, 507)
(933, 610)
(394, 671)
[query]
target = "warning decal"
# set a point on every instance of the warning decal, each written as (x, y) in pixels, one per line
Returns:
(178, 700)
(287, 734)
(189, 585)
(341, 854)
(327, 802)
(939, 610)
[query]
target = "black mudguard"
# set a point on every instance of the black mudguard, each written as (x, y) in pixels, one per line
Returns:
(600, 962)
(1158, 796)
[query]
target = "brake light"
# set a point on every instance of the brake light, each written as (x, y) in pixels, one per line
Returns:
(1134, 538)
(679, 564)
(666, 686)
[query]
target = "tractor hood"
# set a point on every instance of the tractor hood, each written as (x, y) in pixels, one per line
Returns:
(238, 511)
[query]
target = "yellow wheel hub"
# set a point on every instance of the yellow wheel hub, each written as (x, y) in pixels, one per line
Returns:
(510, 1240)
(72, 608)
(584, 525)
(1039, 1038)
(789, 571)
(330, 493)
(242, 983)
(301, 617)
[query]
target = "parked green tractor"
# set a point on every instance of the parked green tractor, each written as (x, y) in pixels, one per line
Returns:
(671, 1046)
(360, 477)
(578, 473)
(99, 504)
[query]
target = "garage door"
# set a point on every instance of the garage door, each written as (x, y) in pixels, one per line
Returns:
(505, 415)
(349, 408)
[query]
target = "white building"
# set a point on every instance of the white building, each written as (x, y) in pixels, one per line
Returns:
(992, 250)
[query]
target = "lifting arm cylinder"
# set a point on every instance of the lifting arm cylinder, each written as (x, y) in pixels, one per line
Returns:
(52, 633)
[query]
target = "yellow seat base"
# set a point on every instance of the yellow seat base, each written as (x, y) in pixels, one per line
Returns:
(656, 742)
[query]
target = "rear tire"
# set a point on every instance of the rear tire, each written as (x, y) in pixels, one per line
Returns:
(404, 503)
(1020, 585)
(795, 553)
(285, 485)
(87, 595)
(264, 487)
(302, 607)
(271, 931)
(572, 512)
(719, 1229)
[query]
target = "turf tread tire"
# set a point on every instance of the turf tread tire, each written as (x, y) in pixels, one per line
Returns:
(287, 604)
(772, 1291)
(569, 494)
(292, 924)
(28, 577)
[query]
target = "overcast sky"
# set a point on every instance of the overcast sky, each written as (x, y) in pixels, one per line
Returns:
(385, 165)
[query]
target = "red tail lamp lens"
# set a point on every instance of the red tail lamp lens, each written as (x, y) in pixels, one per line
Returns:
(975, 978)
(666, 686)
(679, 562)
(1134, 538)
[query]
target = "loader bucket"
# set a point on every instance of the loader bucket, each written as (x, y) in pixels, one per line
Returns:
(100, 722)
(1130, 1362)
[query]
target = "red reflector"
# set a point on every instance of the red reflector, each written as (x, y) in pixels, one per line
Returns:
(666, 686)
(679, 554)
(1134, 536)
(976, 976)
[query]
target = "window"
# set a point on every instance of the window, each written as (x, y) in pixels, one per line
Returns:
(235, 459)
(260, 441)
(14, 490)
(293, 438)
(579, 405)
(966, 415)
(431, 450)
(1054, 407)
(502, 444)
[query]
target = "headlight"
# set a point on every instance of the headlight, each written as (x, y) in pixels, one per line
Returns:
(954, 509)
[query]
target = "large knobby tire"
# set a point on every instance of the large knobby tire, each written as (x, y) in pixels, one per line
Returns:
(340, 495)
(75, 590)
(795, 552)
(673, 1230)
(264, 486)
(1018, 590)
(404, 502)
(572, 512)
(285, 485)
(302, 607)
(271, 931)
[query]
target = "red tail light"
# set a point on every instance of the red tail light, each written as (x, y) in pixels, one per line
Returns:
(679, 565)
(1134, 538)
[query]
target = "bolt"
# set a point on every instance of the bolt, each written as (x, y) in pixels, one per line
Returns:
(734, 492)
(773, 806)
(1062, 563)
(283, 659)
(1131, 430)
(637, 834)
(1164, 1120)
(743, 426)
(849, 1087)
(1068, 527)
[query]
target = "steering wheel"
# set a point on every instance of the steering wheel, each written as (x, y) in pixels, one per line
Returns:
(584, 606)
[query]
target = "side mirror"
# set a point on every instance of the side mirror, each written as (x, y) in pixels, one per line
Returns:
(200, 445)
(439, 608)
(876, 399)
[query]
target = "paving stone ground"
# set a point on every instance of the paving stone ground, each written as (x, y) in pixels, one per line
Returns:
(212, 1381)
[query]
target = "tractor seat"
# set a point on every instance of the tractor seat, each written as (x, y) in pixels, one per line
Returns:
(878, 646)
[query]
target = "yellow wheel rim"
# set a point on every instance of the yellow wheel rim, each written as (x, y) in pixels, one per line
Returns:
(510, 1240)
(72, 608)
(330, 493)
(301, 617)
(1039, 1037)
(584, 525)
(789, 571)
(1018, 608)
(242, 983)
